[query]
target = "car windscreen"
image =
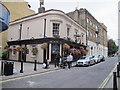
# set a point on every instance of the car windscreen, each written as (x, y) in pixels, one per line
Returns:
(82, 57)
(96, 57)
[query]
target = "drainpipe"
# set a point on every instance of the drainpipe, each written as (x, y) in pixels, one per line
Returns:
(44, 27)
(20, 41)
(86, 29)
(44, 37)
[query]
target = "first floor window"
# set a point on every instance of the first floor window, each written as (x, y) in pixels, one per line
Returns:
(56, 28)
(68, 31)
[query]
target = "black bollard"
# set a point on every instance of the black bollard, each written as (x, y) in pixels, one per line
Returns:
(2, 68)
(118, 71)
(21, 71)
(46, 64)
(114, 81)
(35, 65)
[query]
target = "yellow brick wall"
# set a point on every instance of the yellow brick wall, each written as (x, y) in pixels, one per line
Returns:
(18, 9)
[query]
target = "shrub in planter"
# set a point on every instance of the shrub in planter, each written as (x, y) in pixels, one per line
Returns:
(4, 55)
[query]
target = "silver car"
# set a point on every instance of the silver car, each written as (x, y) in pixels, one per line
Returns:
(84, 61)
(96, 58)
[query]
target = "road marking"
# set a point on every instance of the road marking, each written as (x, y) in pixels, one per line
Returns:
(107, 79)
(29, 76)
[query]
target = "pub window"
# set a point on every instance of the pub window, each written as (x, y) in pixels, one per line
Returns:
(56, 28)
(87, 33)
(14, 50)
(68, 31)
(87, 20)
(76, 31)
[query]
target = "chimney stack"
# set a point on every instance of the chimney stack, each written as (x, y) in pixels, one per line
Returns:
(41, 9)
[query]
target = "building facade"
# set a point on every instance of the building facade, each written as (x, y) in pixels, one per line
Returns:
(17, 9)
(96, 31)
(45, 33)
(4, 22)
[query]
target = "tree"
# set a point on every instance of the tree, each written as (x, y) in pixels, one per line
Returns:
(112, 47)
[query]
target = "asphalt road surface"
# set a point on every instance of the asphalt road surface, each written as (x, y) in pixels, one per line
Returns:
(76, 77)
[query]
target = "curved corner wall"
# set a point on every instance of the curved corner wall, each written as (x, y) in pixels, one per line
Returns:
(4, 17)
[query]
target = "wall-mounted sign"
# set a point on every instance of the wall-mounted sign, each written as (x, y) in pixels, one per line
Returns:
(55, 42)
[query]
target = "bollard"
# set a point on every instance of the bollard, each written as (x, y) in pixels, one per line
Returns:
(118, 71)
(46, 64)
(2, 68)
(21, 71)
(35, 65)
(114, 81)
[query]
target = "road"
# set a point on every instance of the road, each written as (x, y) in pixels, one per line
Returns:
(76, 77)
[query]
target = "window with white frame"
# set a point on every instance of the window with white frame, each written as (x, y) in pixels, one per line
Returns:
(96, 28)
(68, 31)
(87, 20)
(91, 35)
(76, 31)
(87, 33)
(82, 38)
(91, 23)
(56, 28)
(14, 50)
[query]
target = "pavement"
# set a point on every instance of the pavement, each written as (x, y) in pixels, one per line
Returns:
(118, 79)
(28, 69)
(118, 83)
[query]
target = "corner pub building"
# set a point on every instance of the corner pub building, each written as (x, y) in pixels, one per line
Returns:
(41, 36)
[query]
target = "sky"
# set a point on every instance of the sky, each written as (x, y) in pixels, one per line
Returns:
(105, 11)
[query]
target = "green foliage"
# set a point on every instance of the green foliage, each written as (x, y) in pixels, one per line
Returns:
(4, 54)
(112, 47)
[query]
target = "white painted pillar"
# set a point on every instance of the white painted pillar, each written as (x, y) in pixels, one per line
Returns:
(60, 50)
(50, 51)
(119, 30)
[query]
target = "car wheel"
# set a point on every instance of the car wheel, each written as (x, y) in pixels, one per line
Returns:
(94, 62)
(88, 63)
(76, 65)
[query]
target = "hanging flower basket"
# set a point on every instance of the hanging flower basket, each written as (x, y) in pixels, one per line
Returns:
(84, 52)
(34, 51)
(78, 51)
(73, 50)
(14, 50)
(18, 48)
(81, 48)
(44, 46)
(66, 46)
(10, 49)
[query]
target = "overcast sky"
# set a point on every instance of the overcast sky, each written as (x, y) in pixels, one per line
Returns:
(105, 11)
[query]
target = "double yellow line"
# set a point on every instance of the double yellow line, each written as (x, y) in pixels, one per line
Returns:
(107, 79)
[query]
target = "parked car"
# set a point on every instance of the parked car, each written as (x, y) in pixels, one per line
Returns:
(85, 61)
(92, 61)
(102, 58)
(96, 58)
